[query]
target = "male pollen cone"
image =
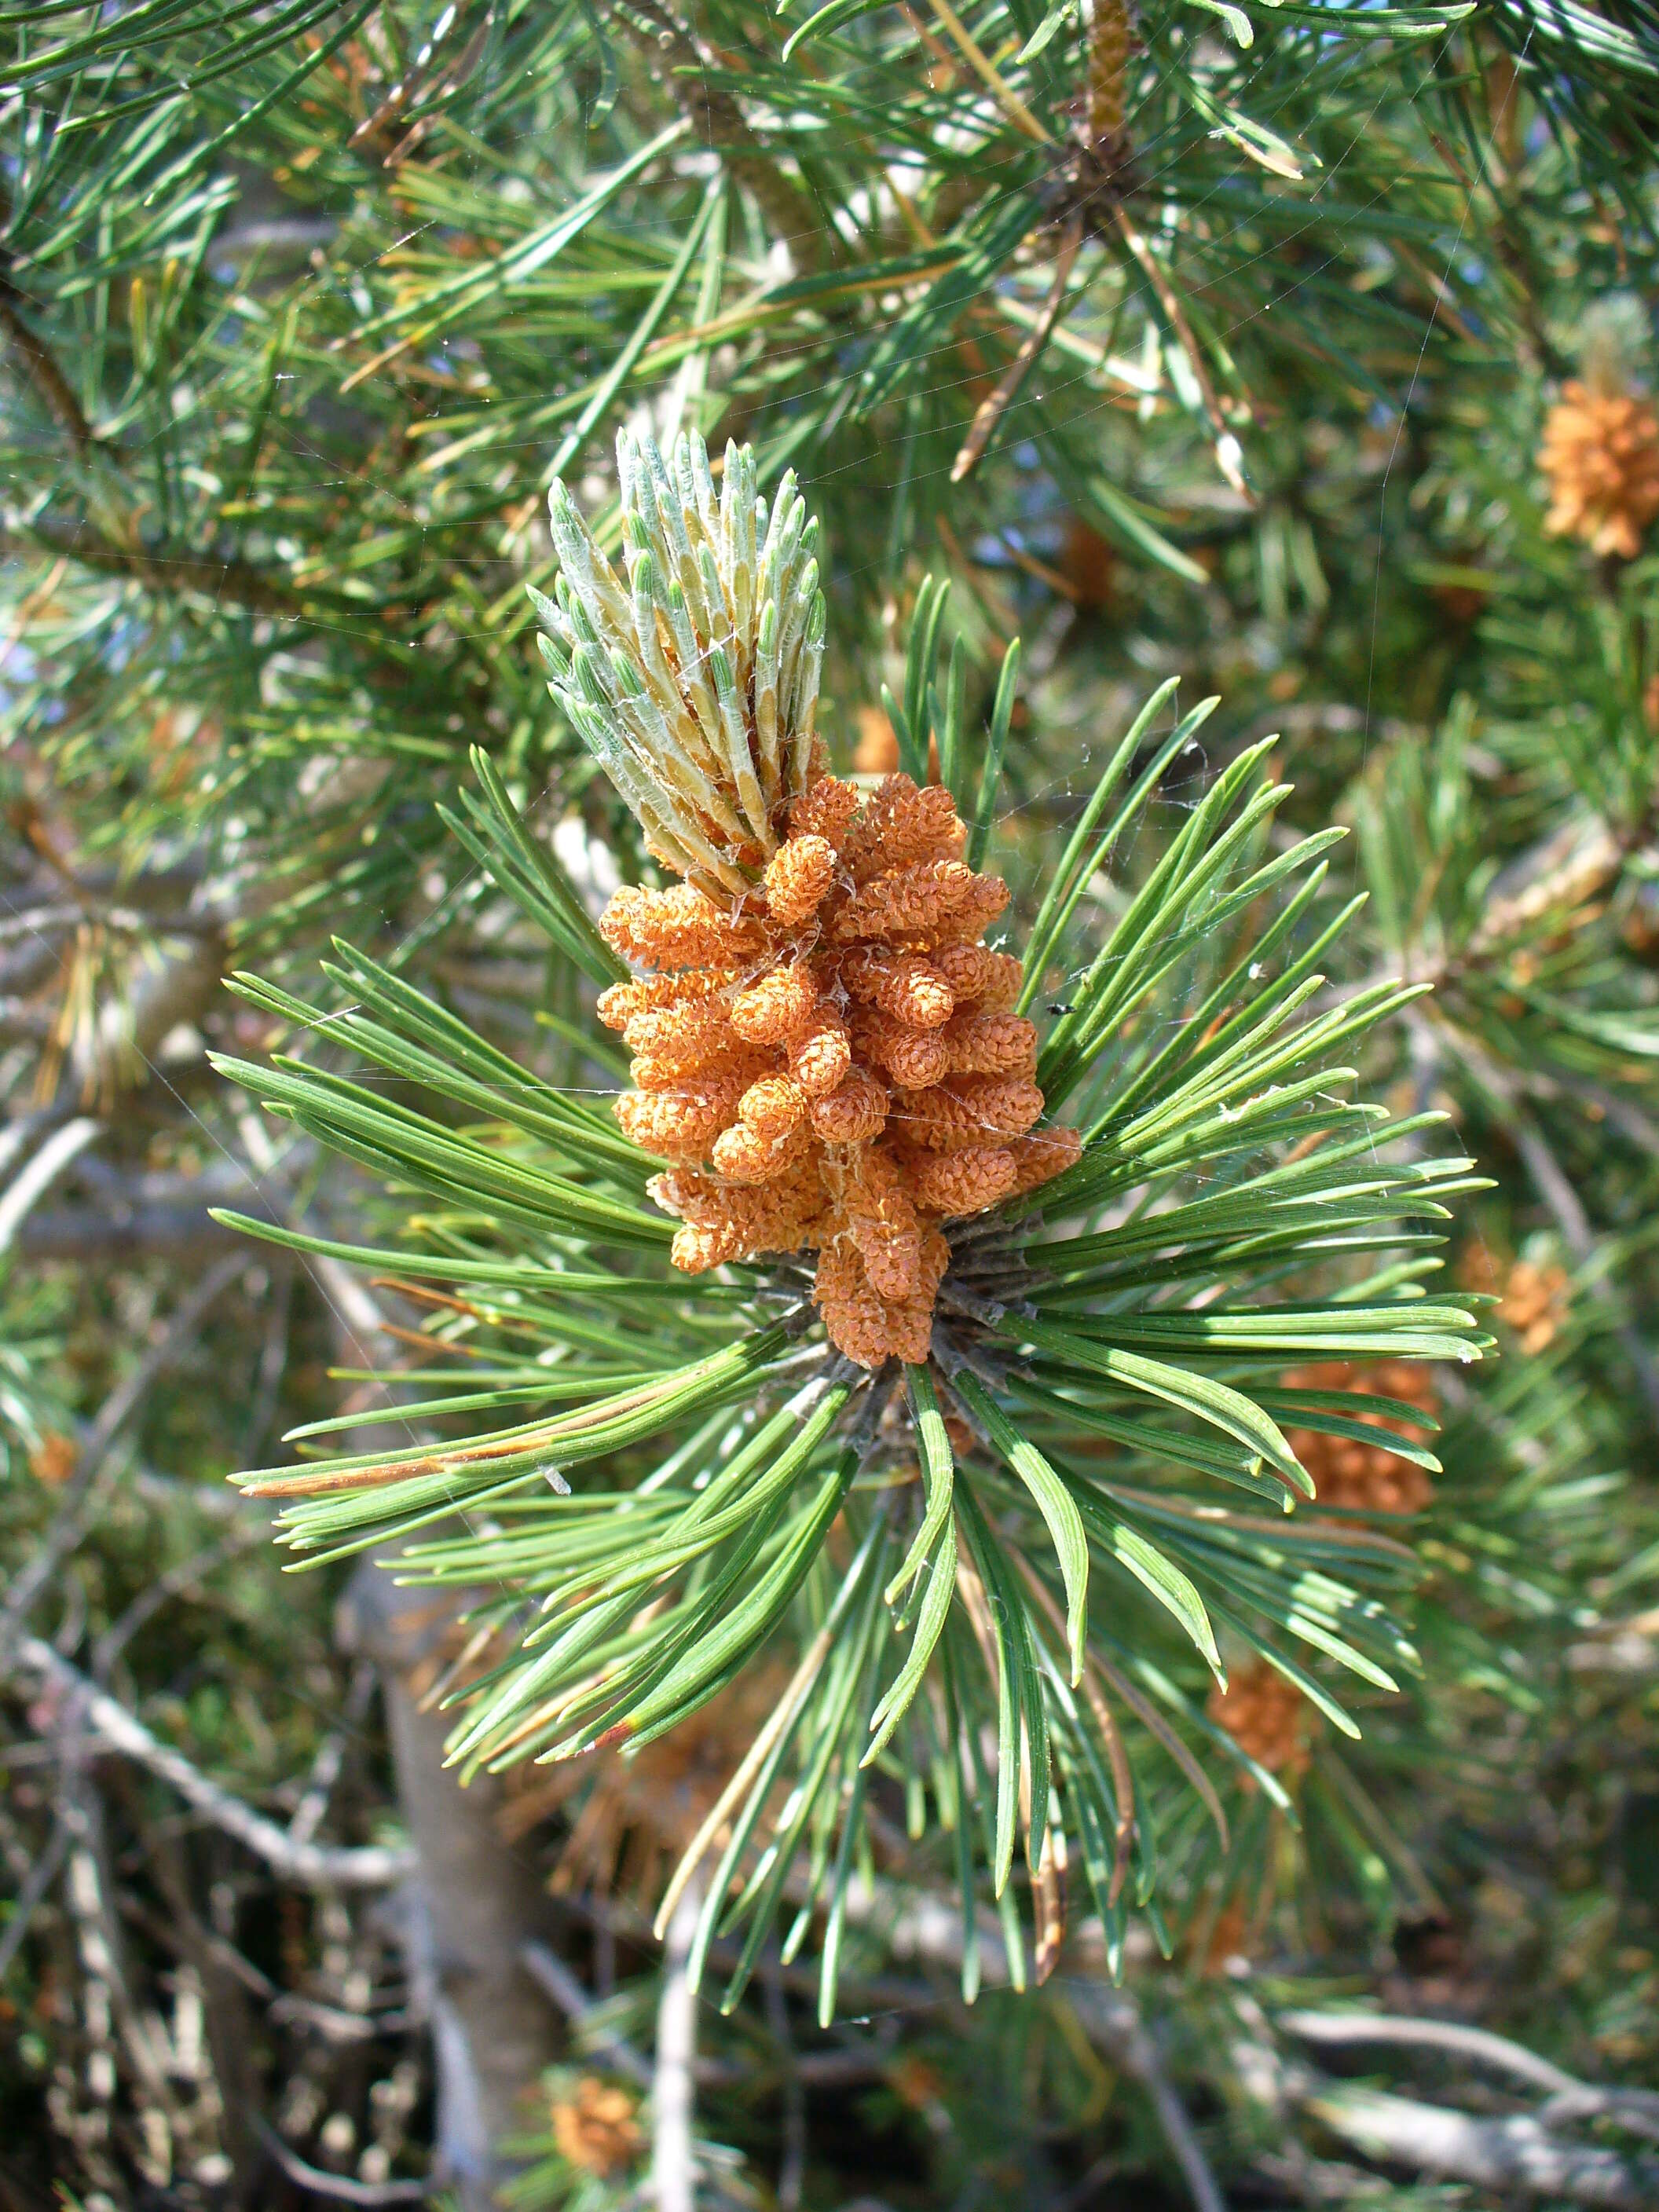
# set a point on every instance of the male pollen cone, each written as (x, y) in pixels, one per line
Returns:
(830, 1065)
(1365, 1478)
(1601, 456)
(1268, 1717)
(823, 1049)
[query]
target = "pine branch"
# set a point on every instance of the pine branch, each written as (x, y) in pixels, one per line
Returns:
(41, 368)
(687, 63)
(167, 571)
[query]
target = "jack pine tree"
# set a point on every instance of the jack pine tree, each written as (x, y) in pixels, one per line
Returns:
(939, 1141)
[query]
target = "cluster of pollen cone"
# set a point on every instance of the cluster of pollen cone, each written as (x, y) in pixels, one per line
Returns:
(823, 1045)
(1365, 1477)
(1600, 457)
(833, 1067)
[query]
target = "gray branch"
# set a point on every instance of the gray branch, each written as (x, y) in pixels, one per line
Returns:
(310, 1866)
(32, 1181)
(1518, 2155)
(125, 1231)
(1113, 2020)
(1638, 2108)
(673, 2174)
(117, 1408)
(574, 2001)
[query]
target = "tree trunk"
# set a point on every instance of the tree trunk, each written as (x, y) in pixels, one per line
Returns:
(471, 1904)
(474, 1900)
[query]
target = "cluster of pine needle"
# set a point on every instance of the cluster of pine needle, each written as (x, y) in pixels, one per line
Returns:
(832, 1060)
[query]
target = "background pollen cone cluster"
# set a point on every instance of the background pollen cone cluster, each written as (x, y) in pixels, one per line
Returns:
(596, 2127)
(831, 1066)
(1268, 1717)
(1365, 1478)
(822, 1046)
(1600, 455)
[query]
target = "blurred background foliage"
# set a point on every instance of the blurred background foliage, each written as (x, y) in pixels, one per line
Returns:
(1214, 341)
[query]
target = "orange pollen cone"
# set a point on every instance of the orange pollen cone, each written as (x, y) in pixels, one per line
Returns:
(830, 1064)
